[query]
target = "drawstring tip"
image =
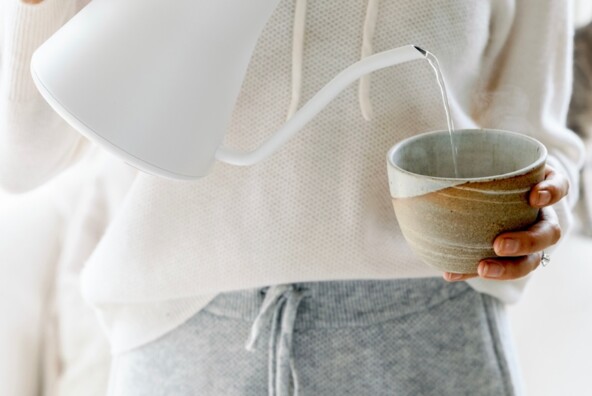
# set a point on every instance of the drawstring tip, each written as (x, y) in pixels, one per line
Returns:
(251, 343)
(249, 347)
(366, 111)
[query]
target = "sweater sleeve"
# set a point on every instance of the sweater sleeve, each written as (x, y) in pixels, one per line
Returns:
(35, 143)
(529, 89)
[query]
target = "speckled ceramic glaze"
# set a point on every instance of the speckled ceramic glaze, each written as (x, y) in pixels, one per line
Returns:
(451, 222)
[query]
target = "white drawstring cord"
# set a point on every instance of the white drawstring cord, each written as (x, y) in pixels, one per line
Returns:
(279, 307)
(364, 85)
(298, 49)
(297, 54)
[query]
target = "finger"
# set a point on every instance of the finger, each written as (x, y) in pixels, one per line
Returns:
(509, 268)
(549, 191)
(454, 277)
(544, 233)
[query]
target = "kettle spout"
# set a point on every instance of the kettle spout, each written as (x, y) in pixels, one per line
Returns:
(423, 52)
(320, 100)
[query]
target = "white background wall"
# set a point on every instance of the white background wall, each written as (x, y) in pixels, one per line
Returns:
(583, 11)
(552, 323)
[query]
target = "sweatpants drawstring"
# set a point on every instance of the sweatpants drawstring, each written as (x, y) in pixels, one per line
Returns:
(280, 306)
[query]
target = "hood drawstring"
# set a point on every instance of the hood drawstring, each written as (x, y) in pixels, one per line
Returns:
(298, 49)
(364, 85)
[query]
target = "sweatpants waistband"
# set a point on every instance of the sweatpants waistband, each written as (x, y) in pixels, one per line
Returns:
(345, 303)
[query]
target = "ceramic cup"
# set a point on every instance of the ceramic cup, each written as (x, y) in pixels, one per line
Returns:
(450, 222)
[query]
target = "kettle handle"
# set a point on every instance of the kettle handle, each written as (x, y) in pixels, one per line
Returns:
(319, 101)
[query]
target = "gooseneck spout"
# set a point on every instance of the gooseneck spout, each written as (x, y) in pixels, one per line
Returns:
(319, 101)
(424, 52)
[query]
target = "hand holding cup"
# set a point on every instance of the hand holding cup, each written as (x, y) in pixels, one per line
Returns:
(457, 199)
(520, 252)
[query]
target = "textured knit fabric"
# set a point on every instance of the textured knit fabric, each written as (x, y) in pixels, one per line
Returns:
(319, 209)
(35, 145)
(51, 341)
(81, 353)
(25, 287)
(394, 337)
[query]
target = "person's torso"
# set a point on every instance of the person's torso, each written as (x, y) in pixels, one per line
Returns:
(320, 207)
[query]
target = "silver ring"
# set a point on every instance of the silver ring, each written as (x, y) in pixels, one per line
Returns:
(545, 259)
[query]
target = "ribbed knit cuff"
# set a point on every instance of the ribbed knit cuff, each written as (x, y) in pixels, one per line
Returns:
(27, 27)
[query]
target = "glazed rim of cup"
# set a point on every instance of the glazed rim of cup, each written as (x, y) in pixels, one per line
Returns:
(535, 164)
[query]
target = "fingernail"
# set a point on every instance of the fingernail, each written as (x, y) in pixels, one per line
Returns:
(489, 269)
(453, 277)
(543, 198)
(508, 246)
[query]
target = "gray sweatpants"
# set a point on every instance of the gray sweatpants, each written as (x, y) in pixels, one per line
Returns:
(407, 337)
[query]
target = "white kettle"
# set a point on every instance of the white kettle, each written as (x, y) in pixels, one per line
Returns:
(155, 81)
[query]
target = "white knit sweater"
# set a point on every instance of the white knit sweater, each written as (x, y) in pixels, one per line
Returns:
(319, 209)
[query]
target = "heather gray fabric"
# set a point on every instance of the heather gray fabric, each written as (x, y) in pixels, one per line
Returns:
(405, 337)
